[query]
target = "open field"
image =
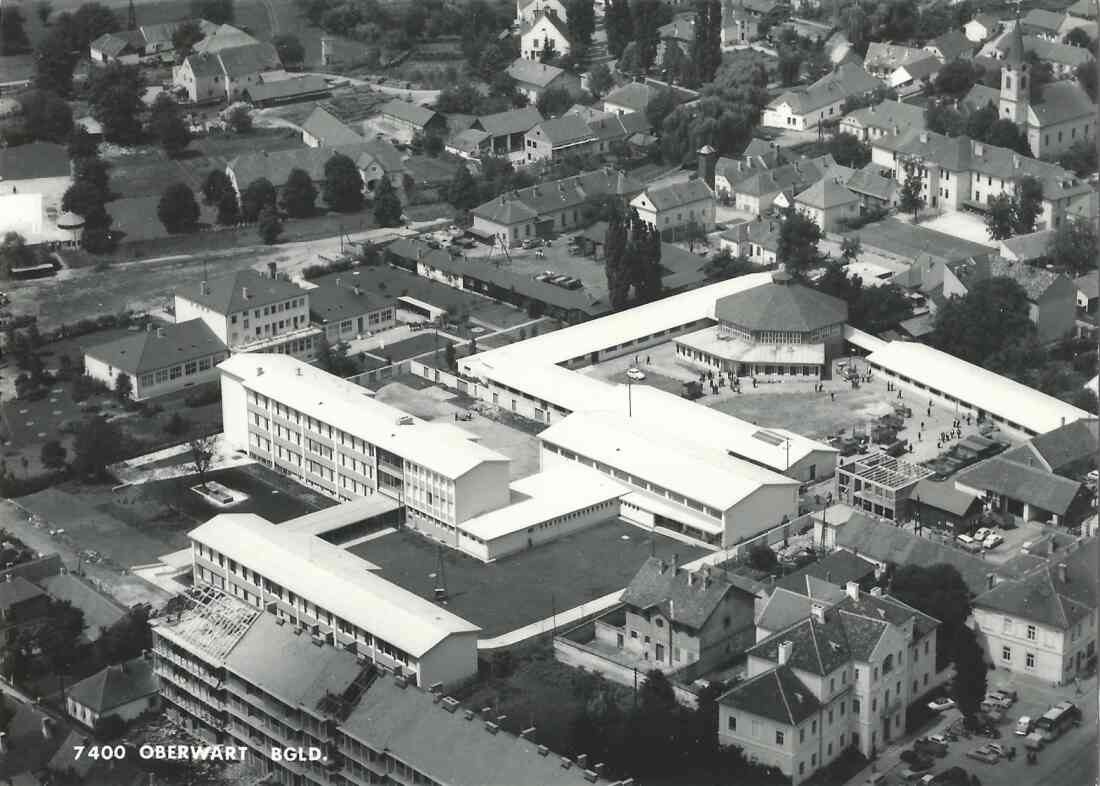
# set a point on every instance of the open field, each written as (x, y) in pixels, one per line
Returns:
(529, 586)
(435, 403)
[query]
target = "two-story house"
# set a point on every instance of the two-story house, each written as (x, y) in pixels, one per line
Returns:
(225, 74)
(533, 78)
(840, 677)
(1044, 624)
(889, 117)
(828, 203)
(672, 209)
(251, 312)
(546, 32)
(559, 137)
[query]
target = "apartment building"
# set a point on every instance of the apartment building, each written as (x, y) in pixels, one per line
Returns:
(840, 677)
(236, 675)
(329, 434)
(251, 312)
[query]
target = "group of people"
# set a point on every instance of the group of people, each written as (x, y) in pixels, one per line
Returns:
(955, 432)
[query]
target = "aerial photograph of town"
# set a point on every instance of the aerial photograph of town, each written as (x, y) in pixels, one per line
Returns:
(549, 392)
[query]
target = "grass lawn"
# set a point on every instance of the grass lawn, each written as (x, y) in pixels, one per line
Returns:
(529, 586)
(813, 414)
(428, 169)
(411, 347)
(136, 219)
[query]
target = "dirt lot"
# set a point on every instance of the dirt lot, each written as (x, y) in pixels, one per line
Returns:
(435, 403)
(529, 586)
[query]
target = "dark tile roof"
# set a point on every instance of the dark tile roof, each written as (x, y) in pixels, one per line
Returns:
(1088, 284)
(793, 177)
(17, 590)
(889, 114)
(529, 203)
(777, 695)
(168, 345)
(685, 597)
(565, 130)
(409, 112)
(99, 610)
(817, 648)
(238, 61)
(204, 65)
(837, 568)
(34, 160)
(1062, 101)
(226, 293)
(827, 193)
(114, 686)
(114, 44)
(846, 81)
(1069, 444)
(533, 73)
(1045, 595)
(329, 129)
(635, 96)
(332, 303)
(944, 496)
(791, 603)
(781, 306)
(952, 44)
(514, 121)
(1033, 485)
(285, 89)
(887, 608)
(868, 181)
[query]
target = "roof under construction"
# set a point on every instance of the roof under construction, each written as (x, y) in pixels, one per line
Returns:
(211, 621)
(885, 470)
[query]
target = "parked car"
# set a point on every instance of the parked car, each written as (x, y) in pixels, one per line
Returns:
(998, 700)
(941, 705)
(937, 738)
(997, 748)
(1035, 741)
(1009, 694)
(635, 374)
(1024, 725)
(993, 541)
(982, 533)
(930, 747)
(984, 756)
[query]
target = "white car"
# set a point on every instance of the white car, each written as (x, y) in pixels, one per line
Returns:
(941, 705)
(993, 541)
(982, 534)
(635, 374)
(938, 738)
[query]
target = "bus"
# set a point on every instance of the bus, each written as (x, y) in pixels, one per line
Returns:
(1057, 719)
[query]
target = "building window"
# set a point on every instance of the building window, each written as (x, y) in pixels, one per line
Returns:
(779, 737)
(1029, 660)
(1031, 633)
(1006, 653)
(731, 723)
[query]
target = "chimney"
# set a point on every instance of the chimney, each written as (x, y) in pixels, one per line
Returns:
(582, 761)
(924, 137)
(272, 270)
(527, 734)
(245, 293)
(1063, 575)
(817, 611)
(852, 588)
(785, 648)
(675, 563)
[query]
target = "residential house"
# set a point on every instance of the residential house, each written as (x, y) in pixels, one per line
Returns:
(959, 173)
(741, 25)
(124, 46)
(757, 241)
(124, 691)
(1026, 248)
(882, 60)
(548, 208)
(1044, 624)
(1083, 9)
(1024, 489)
(159, 360)
(1069, 450)
(981, 28)
(251, 312)
(349, 311)
(470, 144)
(1071, 22)
(558, 138)
(836, 568)
(674, 618)
(912, 76)
(323, 129)
(611, 130)
(1051, 296)
(546, 32)
(224, 37)
(527, 11)
(533, 78)
(875, 191)
(21, 603)
(412, 118)
(675, 208)
(506, 132)
(943, 506)
(888, 117)
(804, 108)
(635, 96)
(225, 74)
(758, 157)
(1088, 292)
(762, 191)
(828, 203)
(100, 611)
(951, 46)
(1064, 58)
(841, 677)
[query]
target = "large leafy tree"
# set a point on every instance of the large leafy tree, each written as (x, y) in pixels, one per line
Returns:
(98, 442)
(1000, 218)
(462, 192)
(343, 188)
(910, 199)
(580, 21)
(386, 204)
(615, 262)
(82, 144)
(290, 49)
(13, 36)
(797, 244)
(1075, 247)
(619, 24)
(220, 12)
(707, 48)
(269, 225)
(115, 93)
(177, 209)
(1005, 133)
(14, 252)
(46, 115)
(649, 16)
(185, 36)
(993, 312)
(215, 184)
(167, 125)
(96, 172)
(260, 193)
(229, 209)
(299, 195)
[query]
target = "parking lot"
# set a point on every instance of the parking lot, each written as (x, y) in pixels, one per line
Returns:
(1067, 761)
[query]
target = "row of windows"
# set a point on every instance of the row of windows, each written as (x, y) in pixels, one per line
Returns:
(160, 376)
(278, 308)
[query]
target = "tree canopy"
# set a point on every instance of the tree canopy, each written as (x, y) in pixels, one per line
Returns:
(46, 115)
(797, 244)
(343, 187)
(290, 49)
(299, 195)
(177, 209)
(386, 204)
(115, 93)
(993, 312)
(260, 193)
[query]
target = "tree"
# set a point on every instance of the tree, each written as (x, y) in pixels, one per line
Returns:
(386, 204)
(13, 38)
(43, 8)
(1086, 76)
(1081, 159)
(46, 116)
(229, 210)
(115, 93)
(97, 443)
(82, 144)
(1028, 204)
(58, 636)
(580, 21)
(177, 209)
(257, 195)
(600, 80)
(649, 16)
(239, 118)
(166, 124)
(220, 12)
(202, 455)
(1005, 133)
(660, 106)
(763, 558)
(789, 67)
(269, 225)
(85, 199)
(215, 184)
(797, 244)
(343, 188)
(1074, 246)
(707, 47)
(993, 312)
(462, 192)
(631, 61)
(433, 144)
(1000, 219)
(124, 387)
(851, 247)
(290, 49)
(299, 195)
(14, 253)
(619, 25)
(450, 357)
(724, 265)
(849, 151)
(554, 101)
(956, 78)
(54, 60)
(1077, 37)
(184, 38)
(971, 671)
(89, 22)
(910, 199)
(939, 591)
(615, 262)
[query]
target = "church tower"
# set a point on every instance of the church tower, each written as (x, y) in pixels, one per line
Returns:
(1015, 79)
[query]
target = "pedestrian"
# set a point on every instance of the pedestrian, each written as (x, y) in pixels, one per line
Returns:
(919, 437)
(647, 360)
(832, 396)
(922, 425)
(899, 394)
(938, 446)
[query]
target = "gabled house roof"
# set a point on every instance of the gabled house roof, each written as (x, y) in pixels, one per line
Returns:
(550, 19)
(238, 61)
(275, 90)
(1064, 445)
(330, 303)
(944, 496)
(226, 294)
(817, 648)
(869, 182)
(888, 115)
(1040, 18)
(888, 57)
(17, 590)
(951, 45)
(847, 80)
(533, 73)
(687, 598)
(791, 601)
(513, 121)
(1057, 52)
(1029, 246)
(115, 686)
(564, 130)
(99, 610)
(1062, 100)
(827, 193)
(329, 129)
(114, 44)
(916, 71)
(682, 28)
(674, 195)
(167, 345)
(836, 569)
(409, 112)
(778, 695)
(1033, 485)
(528, 203)
(1088, 285)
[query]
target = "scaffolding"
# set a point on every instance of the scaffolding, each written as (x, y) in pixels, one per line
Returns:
(211, 621)
(886, 471)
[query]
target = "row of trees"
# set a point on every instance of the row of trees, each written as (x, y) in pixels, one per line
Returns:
(1016, 213)
(632, 258)
(90, 192)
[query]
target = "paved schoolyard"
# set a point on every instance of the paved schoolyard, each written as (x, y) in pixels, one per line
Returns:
(436, 403)
(968, 226)
(528, 586)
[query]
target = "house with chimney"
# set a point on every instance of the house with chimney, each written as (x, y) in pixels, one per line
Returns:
(889, 117)
(161, 359)
(558, 138)
(804, 108)
(676, 208)
(546, 31)
(123, 690)
(532, 78)
(1044, 624)
(840, 676)
(345, 310)
(828, 203)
